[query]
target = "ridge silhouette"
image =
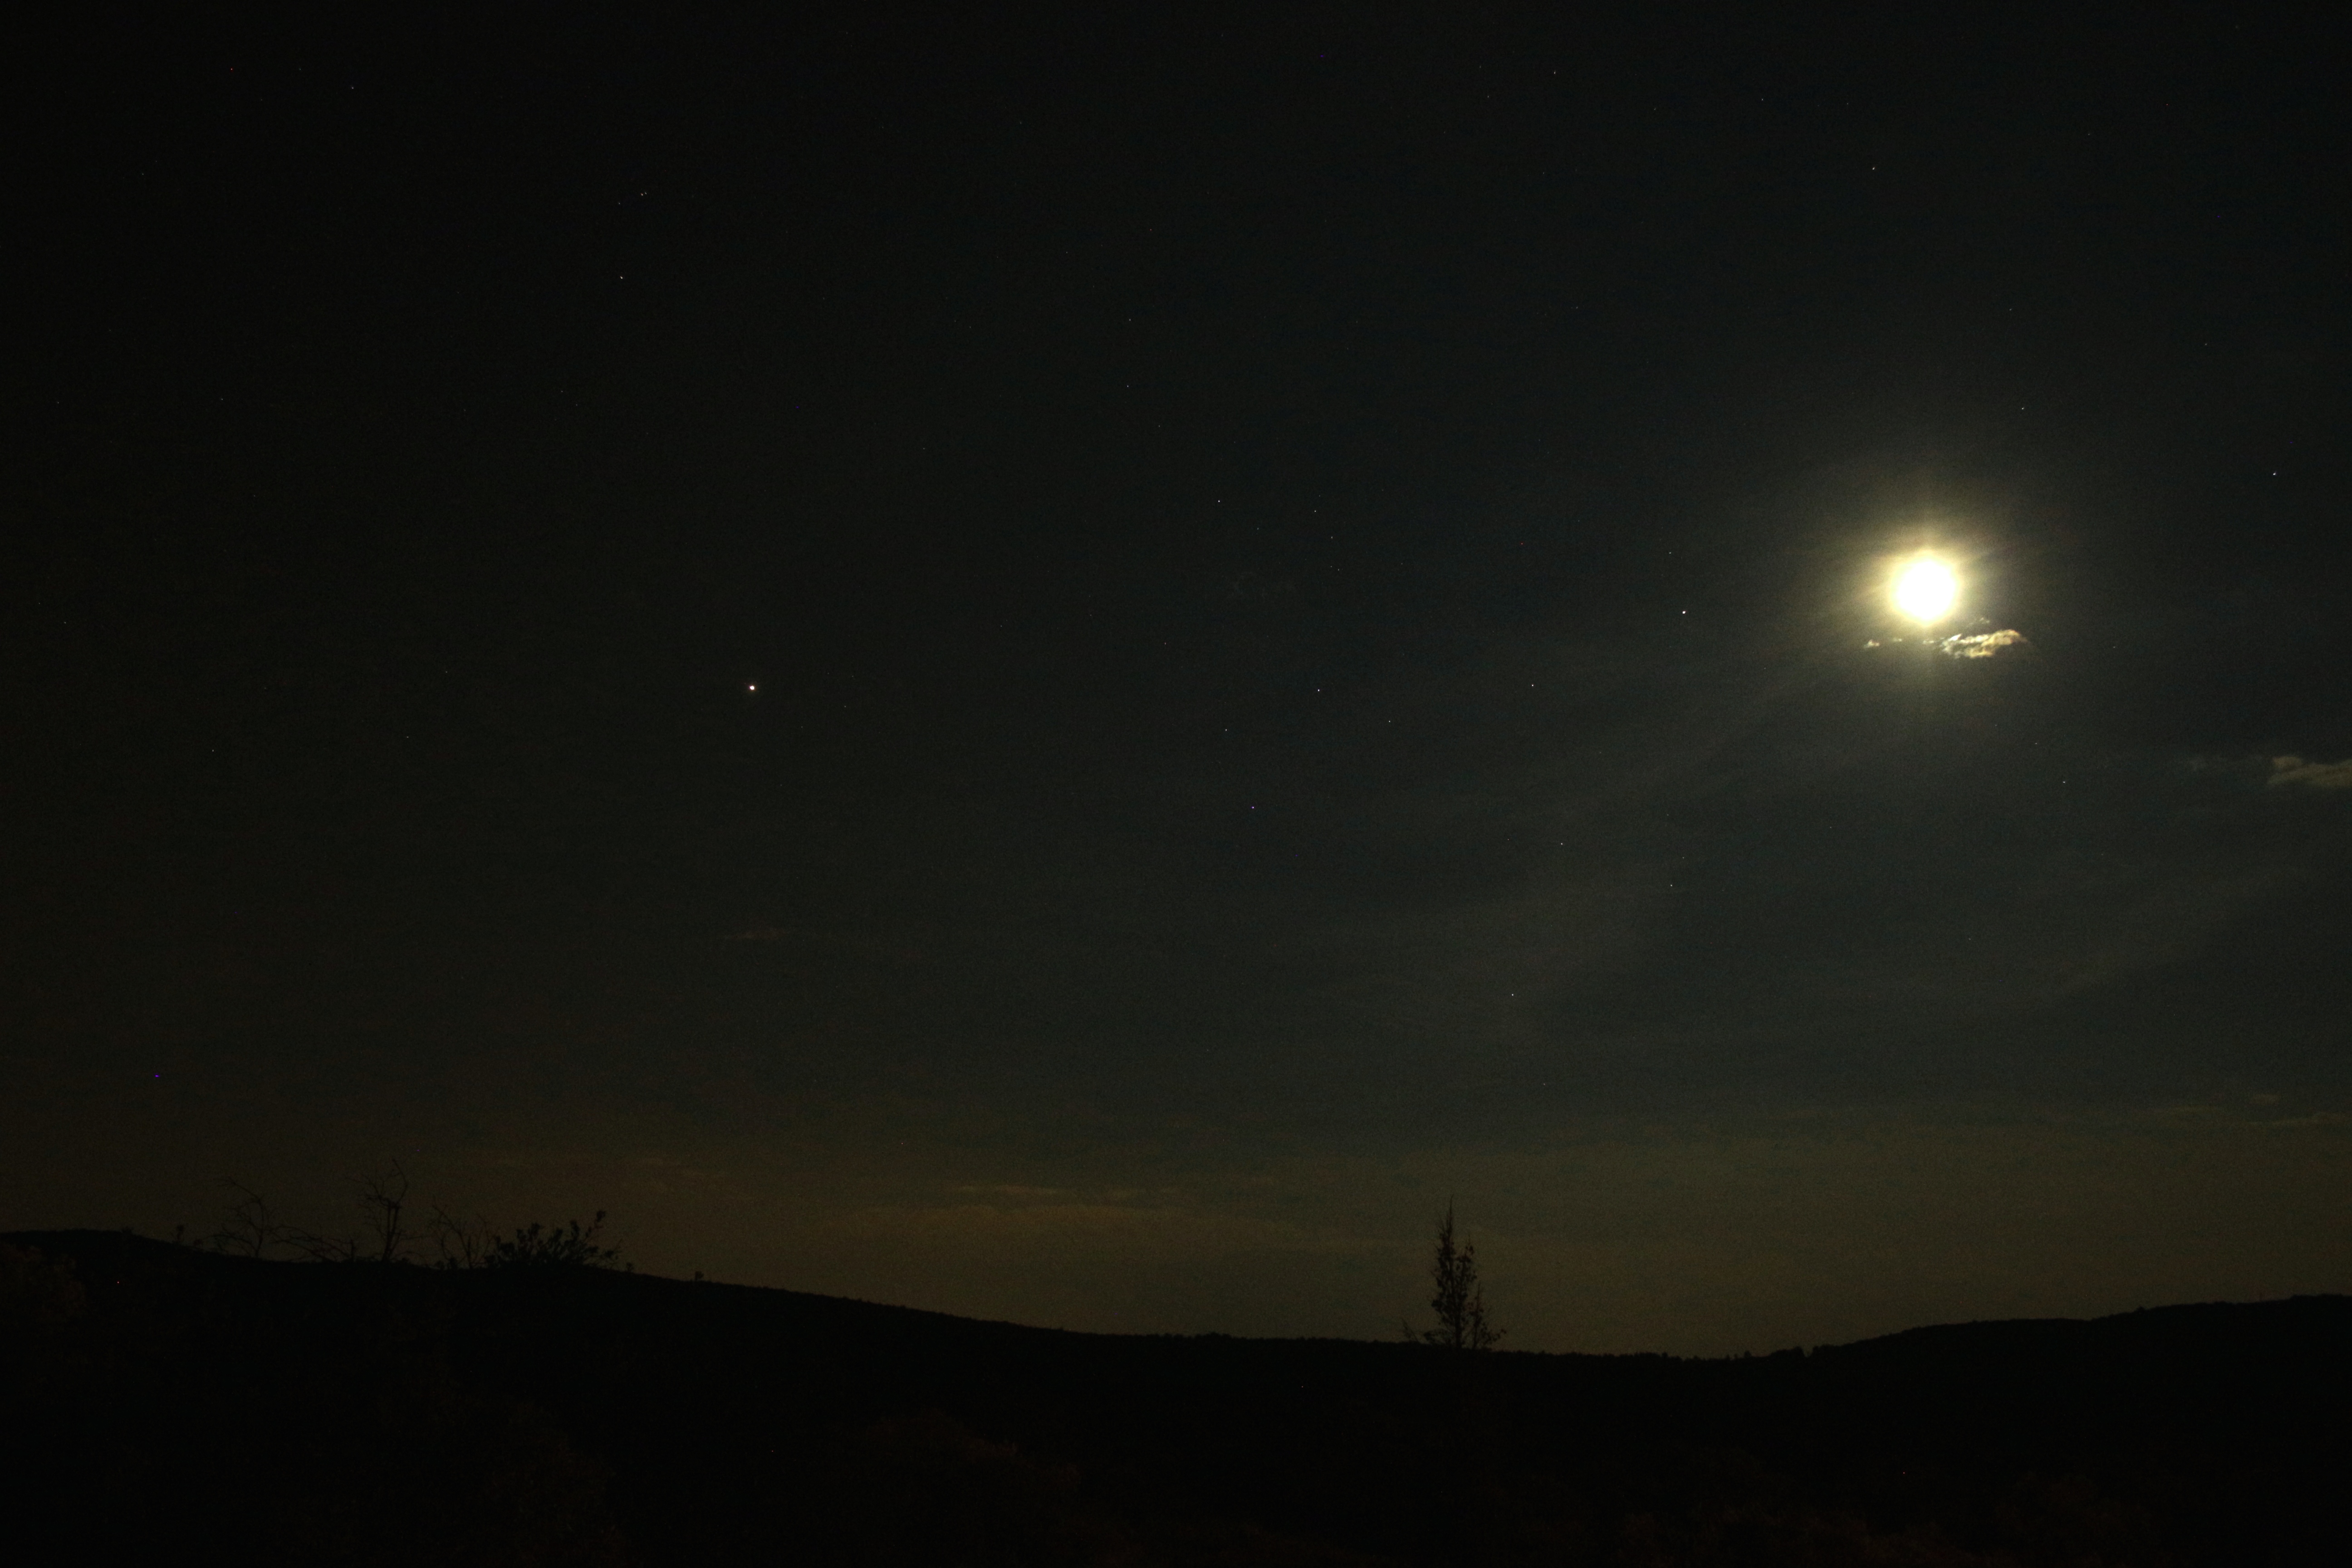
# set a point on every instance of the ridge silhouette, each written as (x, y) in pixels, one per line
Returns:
(160, 1398)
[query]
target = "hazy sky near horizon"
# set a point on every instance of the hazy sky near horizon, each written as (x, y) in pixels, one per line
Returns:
(1072, 671)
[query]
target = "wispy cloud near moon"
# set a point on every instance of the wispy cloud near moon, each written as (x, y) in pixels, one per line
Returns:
(2292, 771)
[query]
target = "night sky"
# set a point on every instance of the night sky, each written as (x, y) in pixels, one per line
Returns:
(1069, 669)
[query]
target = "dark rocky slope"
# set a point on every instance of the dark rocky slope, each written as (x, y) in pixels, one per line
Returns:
(160, 1400)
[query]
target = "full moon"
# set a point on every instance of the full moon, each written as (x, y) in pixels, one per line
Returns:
(1925, 590)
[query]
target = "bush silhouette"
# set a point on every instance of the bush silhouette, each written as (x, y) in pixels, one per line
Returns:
(534, 1245)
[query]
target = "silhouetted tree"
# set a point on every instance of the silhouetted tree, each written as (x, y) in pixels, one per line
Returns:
(461, 1244)
(248, 1229)
(1458, 1300)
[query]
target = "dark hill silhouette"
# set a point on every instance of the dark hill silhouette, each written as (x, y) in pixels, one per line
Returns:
(161, 1400)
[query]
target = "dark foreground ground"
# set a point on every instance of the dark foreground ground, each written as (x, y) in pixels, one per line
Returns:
(163, 1405)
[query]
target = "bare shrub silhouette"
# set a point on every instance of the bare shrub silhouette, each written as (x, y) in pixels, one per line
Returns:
(389, 1233)
(248, 1229)
(386, 1235)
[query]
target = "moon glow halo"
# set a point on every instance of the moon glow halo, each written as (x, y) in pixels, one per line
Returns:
(1925, 590)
